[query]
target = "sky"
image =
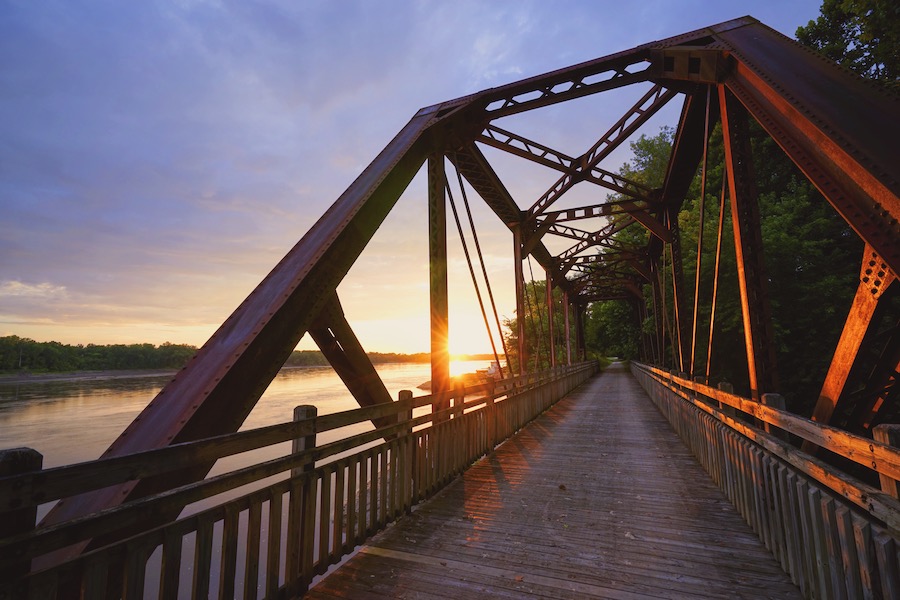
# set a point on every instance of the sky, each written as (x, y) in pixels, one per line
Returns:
(157, 158)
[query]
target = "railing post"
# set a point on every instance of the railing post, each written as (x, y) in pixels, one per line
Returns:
(775, 401)
(17, 461)
(306, 537)
(307, 442)
(727, 409)
(889, 435)
(459, 397)
(697, 395)
(491, 416)
(408, 450)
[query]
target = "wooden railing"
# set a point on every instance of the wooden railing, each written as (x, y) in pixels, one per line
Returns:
(271, 541)
(835, 535)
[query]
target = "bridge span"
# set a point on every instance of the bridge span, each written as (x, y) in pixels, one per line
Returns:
(596, 498)
(611, 504)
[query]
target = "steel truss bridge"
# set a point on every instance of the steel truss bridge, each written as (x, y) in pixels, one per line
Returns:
(842, 132)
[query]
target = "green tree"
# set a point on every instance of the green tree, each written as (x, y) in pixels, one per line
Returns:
(537, 328)
(862, 35)
(612, 329)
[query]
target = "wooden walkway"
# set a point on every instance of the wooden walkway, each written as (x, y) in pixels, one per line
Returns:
(598, 498)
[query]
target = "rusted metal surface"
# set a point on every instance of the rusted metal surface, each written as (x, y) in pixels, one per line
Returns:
(648, 105)
(215, 392)
(438, 291)
(335, 338)
(752, 279)
(847, 143)
(875, 279)
(841, 131)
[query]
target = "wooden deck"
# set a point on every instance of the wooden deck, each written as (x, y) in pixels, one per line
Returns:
(597, 498)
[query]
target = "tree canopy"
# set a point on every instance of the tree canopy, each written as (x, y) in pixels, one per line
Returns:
(862, 35)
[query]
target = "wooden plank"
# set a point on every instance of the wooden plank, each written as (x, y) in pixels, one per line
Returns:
(96, 577)
(228, 561)
(383, 486)
(202, 556)
(820, 547)
(844, 528)
(881, 457)
(865, 551)
(323, 531)
(135, 568)
(880, 505)
(338, 515)
(596, 499)
(792, 527)
(308, 528)
(273, 546)
(251, 562)
(835, 564)
(886, 552)
(352, 495)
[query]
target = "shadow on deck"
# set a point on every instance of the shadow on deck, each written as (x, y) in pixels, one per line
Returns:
(596, 498)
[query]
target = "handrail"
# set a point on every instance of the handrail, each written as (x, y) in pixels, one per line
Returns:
(416, 456)
(836, 536)
(871, 454)
(31, 489)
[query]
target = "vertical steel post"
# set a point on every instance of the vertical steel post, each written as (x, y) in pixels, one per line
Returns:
(680, 336)
(520, 298)
(875, 278)
(696, 315)
(580, 352)
(550, 329)
(748, 246)
(437, 260)
(715, 291)
(658, 307)
(568, 309)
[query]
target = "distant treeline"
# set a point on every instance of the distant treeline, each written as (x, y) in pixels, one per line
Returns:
(22, 354)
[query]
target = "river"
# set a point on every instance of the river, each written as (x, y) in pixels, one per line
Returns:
(74, 421)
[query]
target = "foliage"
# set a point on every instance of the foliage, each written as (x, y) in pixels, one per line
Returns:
(811, 258)
(26, 355)
(537, 326)
(612, 328)
(23, 354)
(862, 35)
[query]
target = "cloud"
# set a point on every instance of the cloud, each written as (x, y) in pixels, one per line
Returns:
(17, 289)
(158, 158)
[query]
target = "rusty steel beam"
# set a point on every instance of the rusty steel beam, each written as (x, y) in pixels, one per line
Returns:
(687, 150)
(335, 338)
(840, 130)
(881, 392)
(543, 155)
(475, 168)
(605, 209)
(648, 105)
(875, 279)
(548, 274)
(218, 388)
(755, 310)
(519, 274)
(590, 77)
(438, 287)
(567, 309)
(570, 85)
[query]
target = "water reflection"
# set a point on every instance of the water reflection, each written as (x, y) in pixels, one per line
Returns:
(74, 421)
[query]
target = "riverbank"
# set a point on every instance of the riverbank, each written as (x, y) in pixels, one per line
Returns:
(20, 378)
